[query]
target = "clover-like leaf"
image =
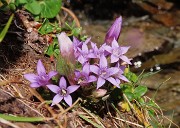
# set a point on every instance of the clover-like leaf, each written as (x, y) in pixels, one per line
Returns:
(50, 8)
(33, 7)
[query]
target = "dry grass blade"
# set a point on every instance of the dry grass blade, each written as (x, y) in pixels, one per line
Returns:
(95, 118)
(125, 121)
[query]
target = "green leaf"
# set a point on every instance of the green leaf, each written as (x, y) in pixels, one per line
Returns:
(53, 48)
(48, 27)
(129, 95)
(20, 2)
(76, 31)
(5, 29)
(21, 119)
(33, 7)
(132, 77)
(126, 87)
(140, 91)
(50, 8)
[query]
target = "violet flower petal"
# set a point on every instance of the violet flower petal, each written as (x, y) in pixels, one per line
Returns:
(34, 85)
(53, 88)
(31, 77)
(103, 61)
(115, 44)
(81, 59)
(68, 100)
(113, 70)
(86, 68)
(108, 48)
(57, 98)
(123, 78)
(40, 68)
(52, 73)
(118, 81)
(114, 59)
(100, 82)
(124, 49)
(94, 69)
(62, 83)
(92, 78)
(84, 48)
(125, 59)
(72, 88)
(113, 81)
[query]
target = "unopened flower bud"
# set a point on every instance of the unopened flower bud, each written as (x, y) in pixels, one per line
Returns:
(99, 93)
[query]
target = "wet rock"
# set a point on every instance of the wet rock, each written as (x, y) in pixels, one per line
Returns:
(162, 59)
(165, 79)
(168, 18)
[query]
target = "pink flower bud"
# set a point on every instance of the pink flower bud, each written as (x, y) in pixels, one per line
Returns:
(99, 93)
(66, 47)
(114, 31)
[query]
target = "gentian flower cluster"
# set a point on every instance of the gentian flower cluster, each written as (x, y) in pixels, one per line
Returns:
(95, 65)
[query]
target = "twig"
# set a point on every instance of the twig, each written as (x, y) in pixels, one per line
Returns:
(35, 93)
(72, 15)
(128, 122)
(60, 114)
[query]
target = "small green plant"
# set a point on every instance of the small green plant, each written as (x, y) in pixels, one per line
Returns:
(41, 8)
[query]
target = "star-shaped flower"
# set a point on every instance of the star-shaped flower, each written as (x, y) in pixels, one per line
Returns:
(62, 91)
(84, 76)
(42, 78)
(119, 75)
(117, 52)
(104, 73)
(95, 52)
(84, 52)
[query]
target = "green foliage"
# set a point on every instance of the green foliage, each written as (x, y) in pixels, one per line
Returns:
(48, 27)
(41, 8)
(65, 67)
(53, 49)
(33, 7)
(50, 8)
(140, 91)
(21, 119)
(5, 29)
(74, 31)
(132, 77)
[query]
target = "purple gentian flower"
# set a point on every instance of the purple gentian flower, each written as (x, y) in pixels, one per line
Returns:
(104, 73)
(42, 78)
(84, 52)
(84, 76)
(95, 52)
(62, 91)
(119, 75)
(114, 31)
(117, 52)
(76, 44)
